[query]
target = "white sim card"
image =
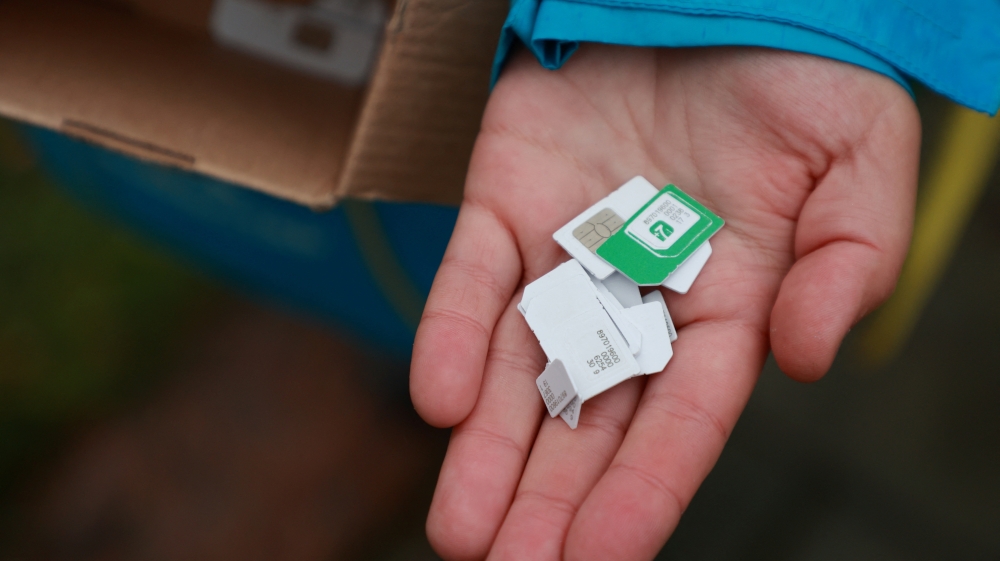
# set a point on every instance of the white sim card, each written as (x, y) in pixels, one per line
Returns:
(564, 311)
(556, 387)
(656, 349)
(553, 279)
(614, 308)
(656, 296)
(624, 289)
(571, 412)
(582, 236)
(333, 39)
(626, 292)
(649, 317)
(586, 333)
(683, 277)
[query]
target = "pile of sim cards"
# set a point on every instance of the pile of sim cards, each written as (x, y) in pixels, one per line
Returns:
(595, 327)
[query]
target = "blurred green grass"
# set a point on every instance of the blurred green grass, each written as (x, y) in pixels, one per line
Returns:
(90, 315)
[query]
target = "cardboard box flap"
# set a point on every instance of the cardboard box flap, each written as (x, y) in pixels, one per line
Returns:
(144, 77)
(426, 101)
(164, 94)
(190, 14)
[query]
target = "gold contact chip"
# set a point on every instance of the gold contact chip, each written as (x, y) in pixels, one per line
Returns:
(598, 228)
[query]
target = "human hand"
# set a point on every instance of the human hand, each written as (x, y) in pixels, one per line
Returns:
(813, 165)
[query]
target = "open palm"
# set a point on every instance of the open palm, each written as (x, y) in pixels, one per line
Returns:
(811, 162)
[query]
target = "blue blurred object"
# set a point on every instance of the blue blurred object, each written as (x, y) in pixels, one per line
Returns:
(309, 260)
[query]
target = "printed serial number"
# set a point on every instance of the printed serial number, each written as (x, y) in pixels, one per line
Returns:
(607, 358)
(669, 210)
(551, 399)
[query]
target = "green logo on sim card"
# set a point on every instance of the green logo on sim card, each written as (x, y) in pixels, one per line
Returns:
(661, 230)
(660, 237)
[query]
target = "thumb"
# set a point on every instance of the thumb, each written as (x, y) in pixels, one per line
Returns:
(850, 244)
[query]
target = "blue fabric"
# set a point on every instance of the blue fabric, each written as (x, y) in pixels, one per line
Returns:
(953, 47)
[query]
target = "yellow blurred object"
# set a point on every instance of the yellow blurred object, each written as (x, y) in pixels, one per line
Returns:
(952, 186)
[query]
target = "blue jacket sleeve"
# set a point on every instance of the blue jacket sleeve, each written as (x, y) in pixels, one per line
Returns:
(952, 47)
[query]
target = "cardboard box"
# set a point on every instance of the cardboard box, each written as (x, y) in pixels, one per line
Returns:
(143, 77)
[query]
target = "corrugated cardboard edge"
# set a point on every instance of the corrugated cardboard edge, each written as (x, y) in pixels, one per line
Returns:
(120, 143)
(417, 129)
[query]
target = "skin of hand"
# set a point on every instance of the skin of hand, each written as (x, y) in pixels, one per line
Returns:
(813, 165)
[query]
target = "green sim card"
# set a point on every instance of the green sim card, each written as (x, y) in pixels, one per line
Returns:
(660, 237)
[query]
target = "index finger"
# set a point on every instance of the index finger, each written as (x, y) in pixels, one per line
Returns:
(476, 280)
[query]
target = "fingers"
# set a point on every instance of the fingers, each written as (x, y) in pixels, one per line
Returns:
(474, 284)
(489, 449)
(565, 465)
(849, 246)
(822, 297)
(681, 424)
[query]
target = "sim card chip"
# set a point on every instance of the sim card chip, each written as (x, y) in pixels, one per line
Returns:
(598, 228)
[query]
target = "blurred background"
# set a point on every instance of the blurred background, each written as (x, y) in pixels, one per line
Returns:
(155, 407)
